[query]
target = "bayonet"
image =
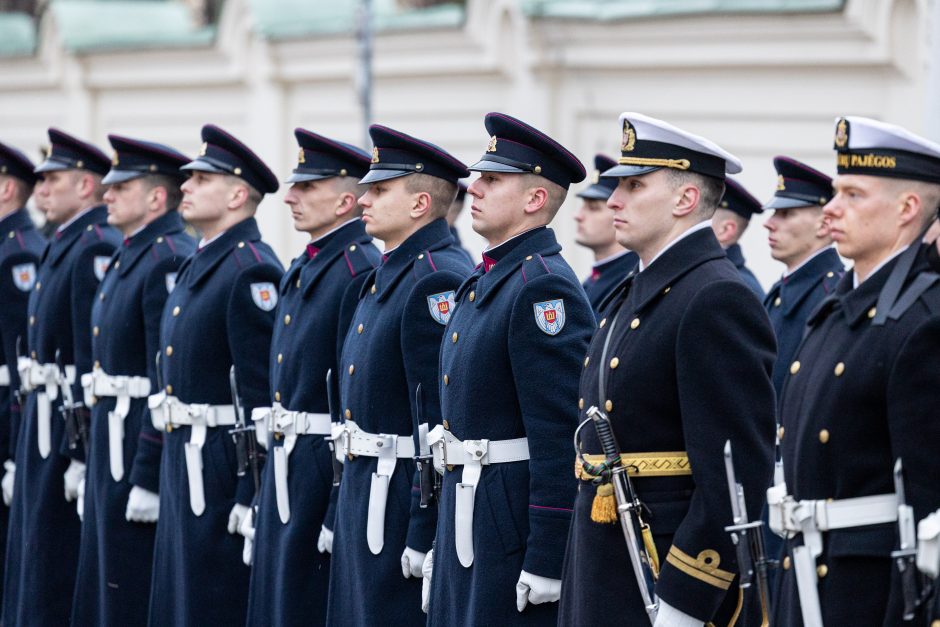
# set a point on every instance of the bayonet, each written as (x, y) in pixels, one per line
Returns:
(334, 418)
(906, 555)
(427, 476)
(75, 426)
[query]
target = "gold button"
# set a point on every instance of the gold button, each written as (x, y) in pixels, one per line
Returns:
(372, 291)
(32, 321)
(840, 368)
(609, 406)
(666, 291)
(786, 563)
(586, 360)
(280, 357)
(529, 258)
(277, 396)
(446, 379)
(824, 436)
(580, 403)
(935, 623)
(297, 283)
(94, 331)
(635, 323)
(241, 244)
(89, 227)
(117, 264)
(286, 319)
(352, 248)
(359, 328)
(352, 368)
(602, 323)
(872, 312)
(614, 362)
(12, 234)
(453, 337)
(472, 296)
(169, 351)
(446, 425)
(348, 414)
(421, 256)
(794, 367)
(777, 302)
(160, 240)
(176, 310)
(830, 275)
(780, 432)
(101, 296)
(38, 286)
(822, 570)
(169, 389)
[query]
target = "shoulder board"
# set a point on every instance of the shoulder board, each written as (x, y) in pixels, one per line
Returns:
(247, 253)
(923, 282)
(92, 233)
(165, 246)
(533, 266)
(357, 261)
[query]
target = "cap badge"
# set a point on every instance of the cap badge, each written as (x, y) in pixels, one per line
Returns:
(375, 154)
(491, 147)
(780, 184)
(628, 142)
(114, 159)
(204, 149)
(300, 157)
(842, 133)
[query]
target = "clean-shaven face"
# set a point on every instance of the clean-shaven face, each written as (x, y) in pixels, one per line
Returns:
(794, 233)
(58, 195)
(127, 204)
(642, 207)
(205, 197)
(386, 208)
(497, 206)
(595, 222)
(313, 204)
(863, 217)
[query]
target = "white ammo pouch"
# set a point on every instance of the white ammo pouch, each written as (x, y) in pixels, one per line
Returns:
(44, 380)
(200, 416)
(789, 517)
(288, 425)
(472, 455)
(98, 384)
(388, 449)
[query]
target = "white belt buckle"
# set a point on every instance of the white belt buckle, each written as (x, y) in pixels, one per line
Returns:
(476, 450)
(198, 410)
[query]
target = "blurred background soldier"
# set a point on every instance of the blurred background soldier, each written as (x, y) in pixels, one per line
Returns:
(290, 577)
(731, 220)
(121, 501)
(44, 527)
(219, 314)
(596, 232)
(21, 247)
(382, 534)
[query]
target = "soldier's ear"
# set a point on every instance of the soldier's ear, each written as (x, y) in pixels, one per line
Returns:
(687, 200)
(7, 188)
(156, 198)
(421, 205)
(345, 203)
(536, 197)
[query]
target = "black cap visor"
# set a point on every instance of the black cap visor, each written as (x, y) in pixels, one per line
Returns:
(374, 176)
(782, 202)
(622, 171)
(596, 192)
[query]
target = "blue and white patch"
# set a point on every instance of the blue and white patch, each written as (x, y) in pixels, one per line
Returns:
(101, 264)
(24, 276)
(441, 306)
(170, 282)
(550, 316)
(264, 295)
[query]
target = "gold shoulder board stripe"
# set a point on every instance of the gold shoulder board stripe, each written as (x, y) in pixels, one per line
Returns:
(704, 567)
(659, 464)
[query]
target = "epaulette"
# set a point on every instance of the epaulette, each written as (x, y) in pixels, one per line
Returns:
(246, 254)
(163, 246)
(533, 266)
(356, 259)
(92, 234)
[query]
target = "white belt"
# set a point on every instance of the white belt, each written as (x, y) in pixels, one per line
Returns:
(4, 376)
(472, 455)
(388, 448)
(167, 412)
(811, 518)
(290, 424)
(98, 384)
(44, 378)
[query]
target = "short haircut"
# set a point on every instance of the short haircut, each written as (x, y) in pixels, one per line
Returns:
(442, 192)
(174, 195)
(23, 189)
(710, 189)
(556, 193)
(254, 196)
(929, 194)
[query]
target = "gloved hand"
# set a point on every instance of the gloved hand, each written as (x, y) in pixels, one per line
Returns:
(535, 589)
(6, 484)
(669, 616)
(143, 506)
(247, 529)
(427, 570)
(325, 541)
(236, 517)
(73, 476)
(80, 501)
(411, 563)
(928, 545)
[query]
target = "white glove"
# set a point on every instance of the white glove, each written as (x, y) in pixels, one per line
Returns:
(427, 569)
(6, 484)
(669, 616)
(237, 515)
(411, 563)
(928, 545)
(247, 529)
(73, 476)
(535, 589)
(325, 541)
(143, 506)
(80, 501)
